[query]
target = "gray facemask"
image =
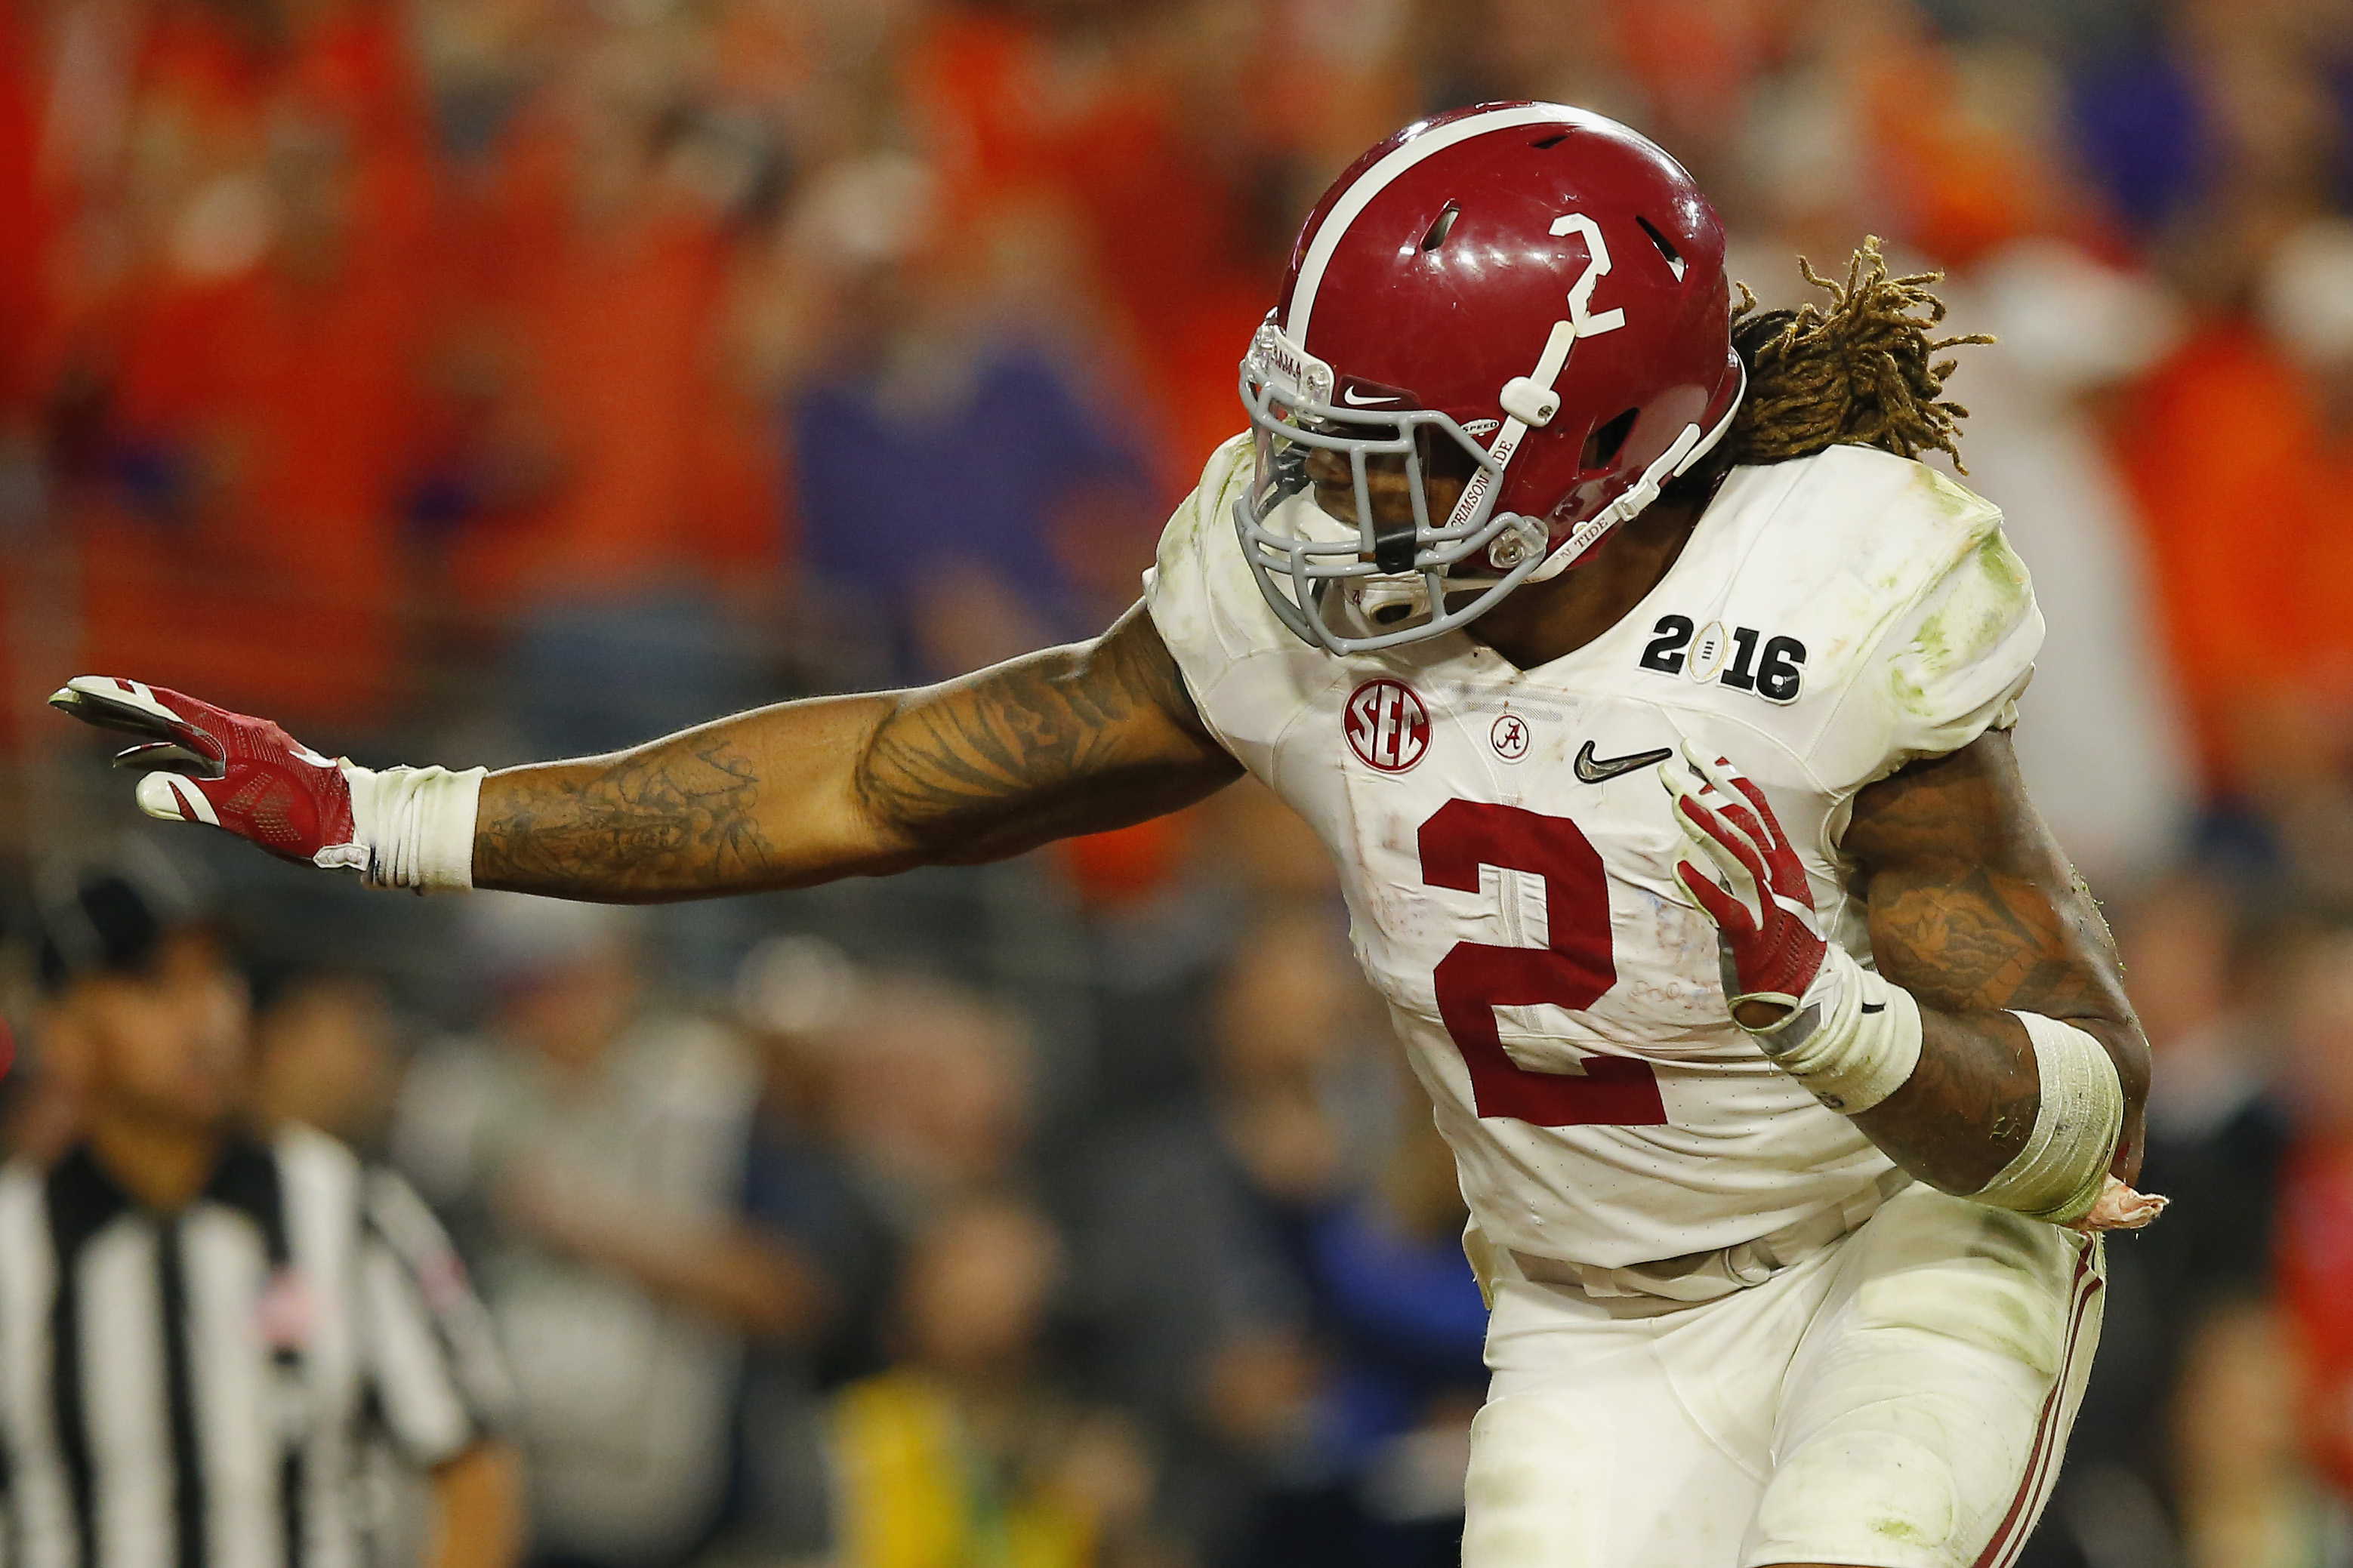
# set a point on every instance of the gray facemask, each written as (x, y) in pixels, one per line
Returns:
(1357, 588)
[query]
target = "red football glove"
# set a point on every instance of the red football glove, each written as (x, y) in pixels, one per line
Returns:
(206, 765)
(1770, 944)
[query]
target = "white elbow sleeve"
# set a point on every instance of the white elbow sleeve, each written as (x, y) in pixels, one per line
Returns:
(417, 825)
(2057, 1176)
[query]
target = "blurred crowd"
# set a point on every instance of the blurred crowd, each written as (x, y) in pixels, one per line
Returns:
(472, 380)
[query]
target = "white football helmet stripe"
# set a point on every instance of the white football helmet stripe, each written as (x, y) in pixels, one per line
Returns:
(1377, 179)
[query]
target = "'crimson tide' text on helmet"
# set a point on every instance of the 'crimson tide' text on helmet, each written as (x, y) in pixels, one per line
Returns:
(1532, 287)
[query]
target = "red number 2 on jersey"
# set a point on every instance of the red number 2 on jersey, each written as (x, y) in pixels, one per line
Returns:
(1475, 978)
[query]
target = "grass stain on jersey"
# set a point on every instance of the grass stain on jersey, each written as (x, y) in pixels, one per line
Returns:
(1948, 494)
(1184, 619)
(1983, 598)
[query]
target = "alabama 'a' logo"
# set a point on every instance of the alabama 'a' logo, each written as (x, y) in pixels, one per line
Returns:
(1387, 725)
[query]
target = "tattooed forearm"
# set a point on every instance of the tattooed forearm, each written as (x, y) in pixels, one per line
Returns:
(637, 822)
(1976, 912)
(1071, 740)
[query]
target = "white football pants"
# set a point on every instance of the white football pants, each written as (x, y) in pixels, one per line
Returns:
(1897, 1400)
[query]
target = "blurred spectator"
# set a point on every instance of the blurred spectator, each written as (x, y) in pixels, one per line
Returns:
(963, 1452)
(2317, 1209)
(2189, 1303)
(1407, 1329)
(926, 1087)
(995, 488)
(2102, 744)
(242, 281)
(979, 493)
(590, 1147)
(1193, 1231)
(2248, 422)
(23, 307)
(251, 1337)
(598, 438)
(595, 674)
(1129, 131)
(2205, 121)
(1162, 911)
(326, 1055)
(799, 1185)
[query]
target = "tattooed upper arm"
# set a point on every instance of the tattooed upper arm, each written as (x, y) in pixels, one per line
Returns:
(1976, 911)
(1973, 905)
(1071, 740)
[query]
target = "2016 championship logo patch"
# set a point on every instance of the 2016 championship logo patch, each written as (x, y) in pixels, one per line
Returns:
(1387, 725)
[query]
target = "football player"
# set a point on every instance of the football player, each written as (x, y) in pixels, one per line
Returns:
(1654, 703)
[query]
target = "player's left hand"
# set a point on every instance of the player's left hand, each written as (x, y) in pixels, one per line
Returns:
(2118, 1207)
(1769, 942)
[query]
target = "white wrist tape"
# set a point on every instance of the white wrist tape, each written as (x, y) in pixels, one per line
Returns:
(417, 825)
(2058, 1176)
(1854, 1038)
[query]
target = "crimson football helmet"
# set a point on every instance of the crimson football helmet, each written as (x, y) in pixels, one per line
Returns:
(1530, 291)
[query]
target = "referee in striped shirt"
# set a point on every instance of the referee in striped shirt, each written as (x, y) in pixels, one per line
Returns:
(216, 1347)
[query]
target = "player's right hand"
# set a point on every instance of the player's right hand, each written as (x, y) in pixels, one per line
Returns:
(241, 775)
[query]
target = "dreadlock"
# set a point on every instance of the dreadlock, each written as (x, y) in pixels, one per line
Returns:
(1860, 371)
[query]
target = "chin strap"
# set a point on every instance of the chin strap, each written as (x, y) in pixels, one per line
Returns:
(1528, 403)
(1674, 462)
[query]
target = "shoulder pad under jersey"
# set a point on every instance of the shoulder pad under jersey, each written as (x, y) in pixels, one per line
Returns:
(1249, 674)
(1919, 620)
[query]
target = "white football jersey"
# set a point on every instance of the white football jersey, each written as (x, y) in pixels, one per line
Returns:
(1507, 852)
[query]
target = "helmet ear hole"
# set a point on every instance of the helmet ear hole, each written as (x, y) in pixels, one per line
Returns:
(1608, 438)
(1674, 257)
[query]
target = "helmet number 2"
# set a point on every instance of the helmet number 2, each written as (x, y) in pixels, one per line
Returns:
(1574, 969)
(1597, 268)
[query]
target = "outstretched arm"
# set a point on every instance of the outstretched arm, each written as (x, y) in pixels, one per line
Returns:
(1975, 911)
(1069, 740)
(1073, 740)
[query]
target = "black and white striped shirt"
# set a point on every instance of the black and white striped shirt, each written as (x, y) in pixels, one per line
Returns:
(216, 1388)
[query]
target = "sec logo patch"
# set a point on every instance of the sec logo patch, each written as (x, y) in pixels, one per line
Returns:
(1387, 726)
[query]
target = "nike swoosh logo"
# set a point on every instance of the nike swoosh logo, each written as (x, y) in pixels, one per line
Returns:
(1591, 768)
(1348, 396)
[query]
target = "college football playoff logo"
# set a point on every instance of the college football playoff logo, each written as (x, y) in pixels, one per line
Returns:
(1387, 725)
